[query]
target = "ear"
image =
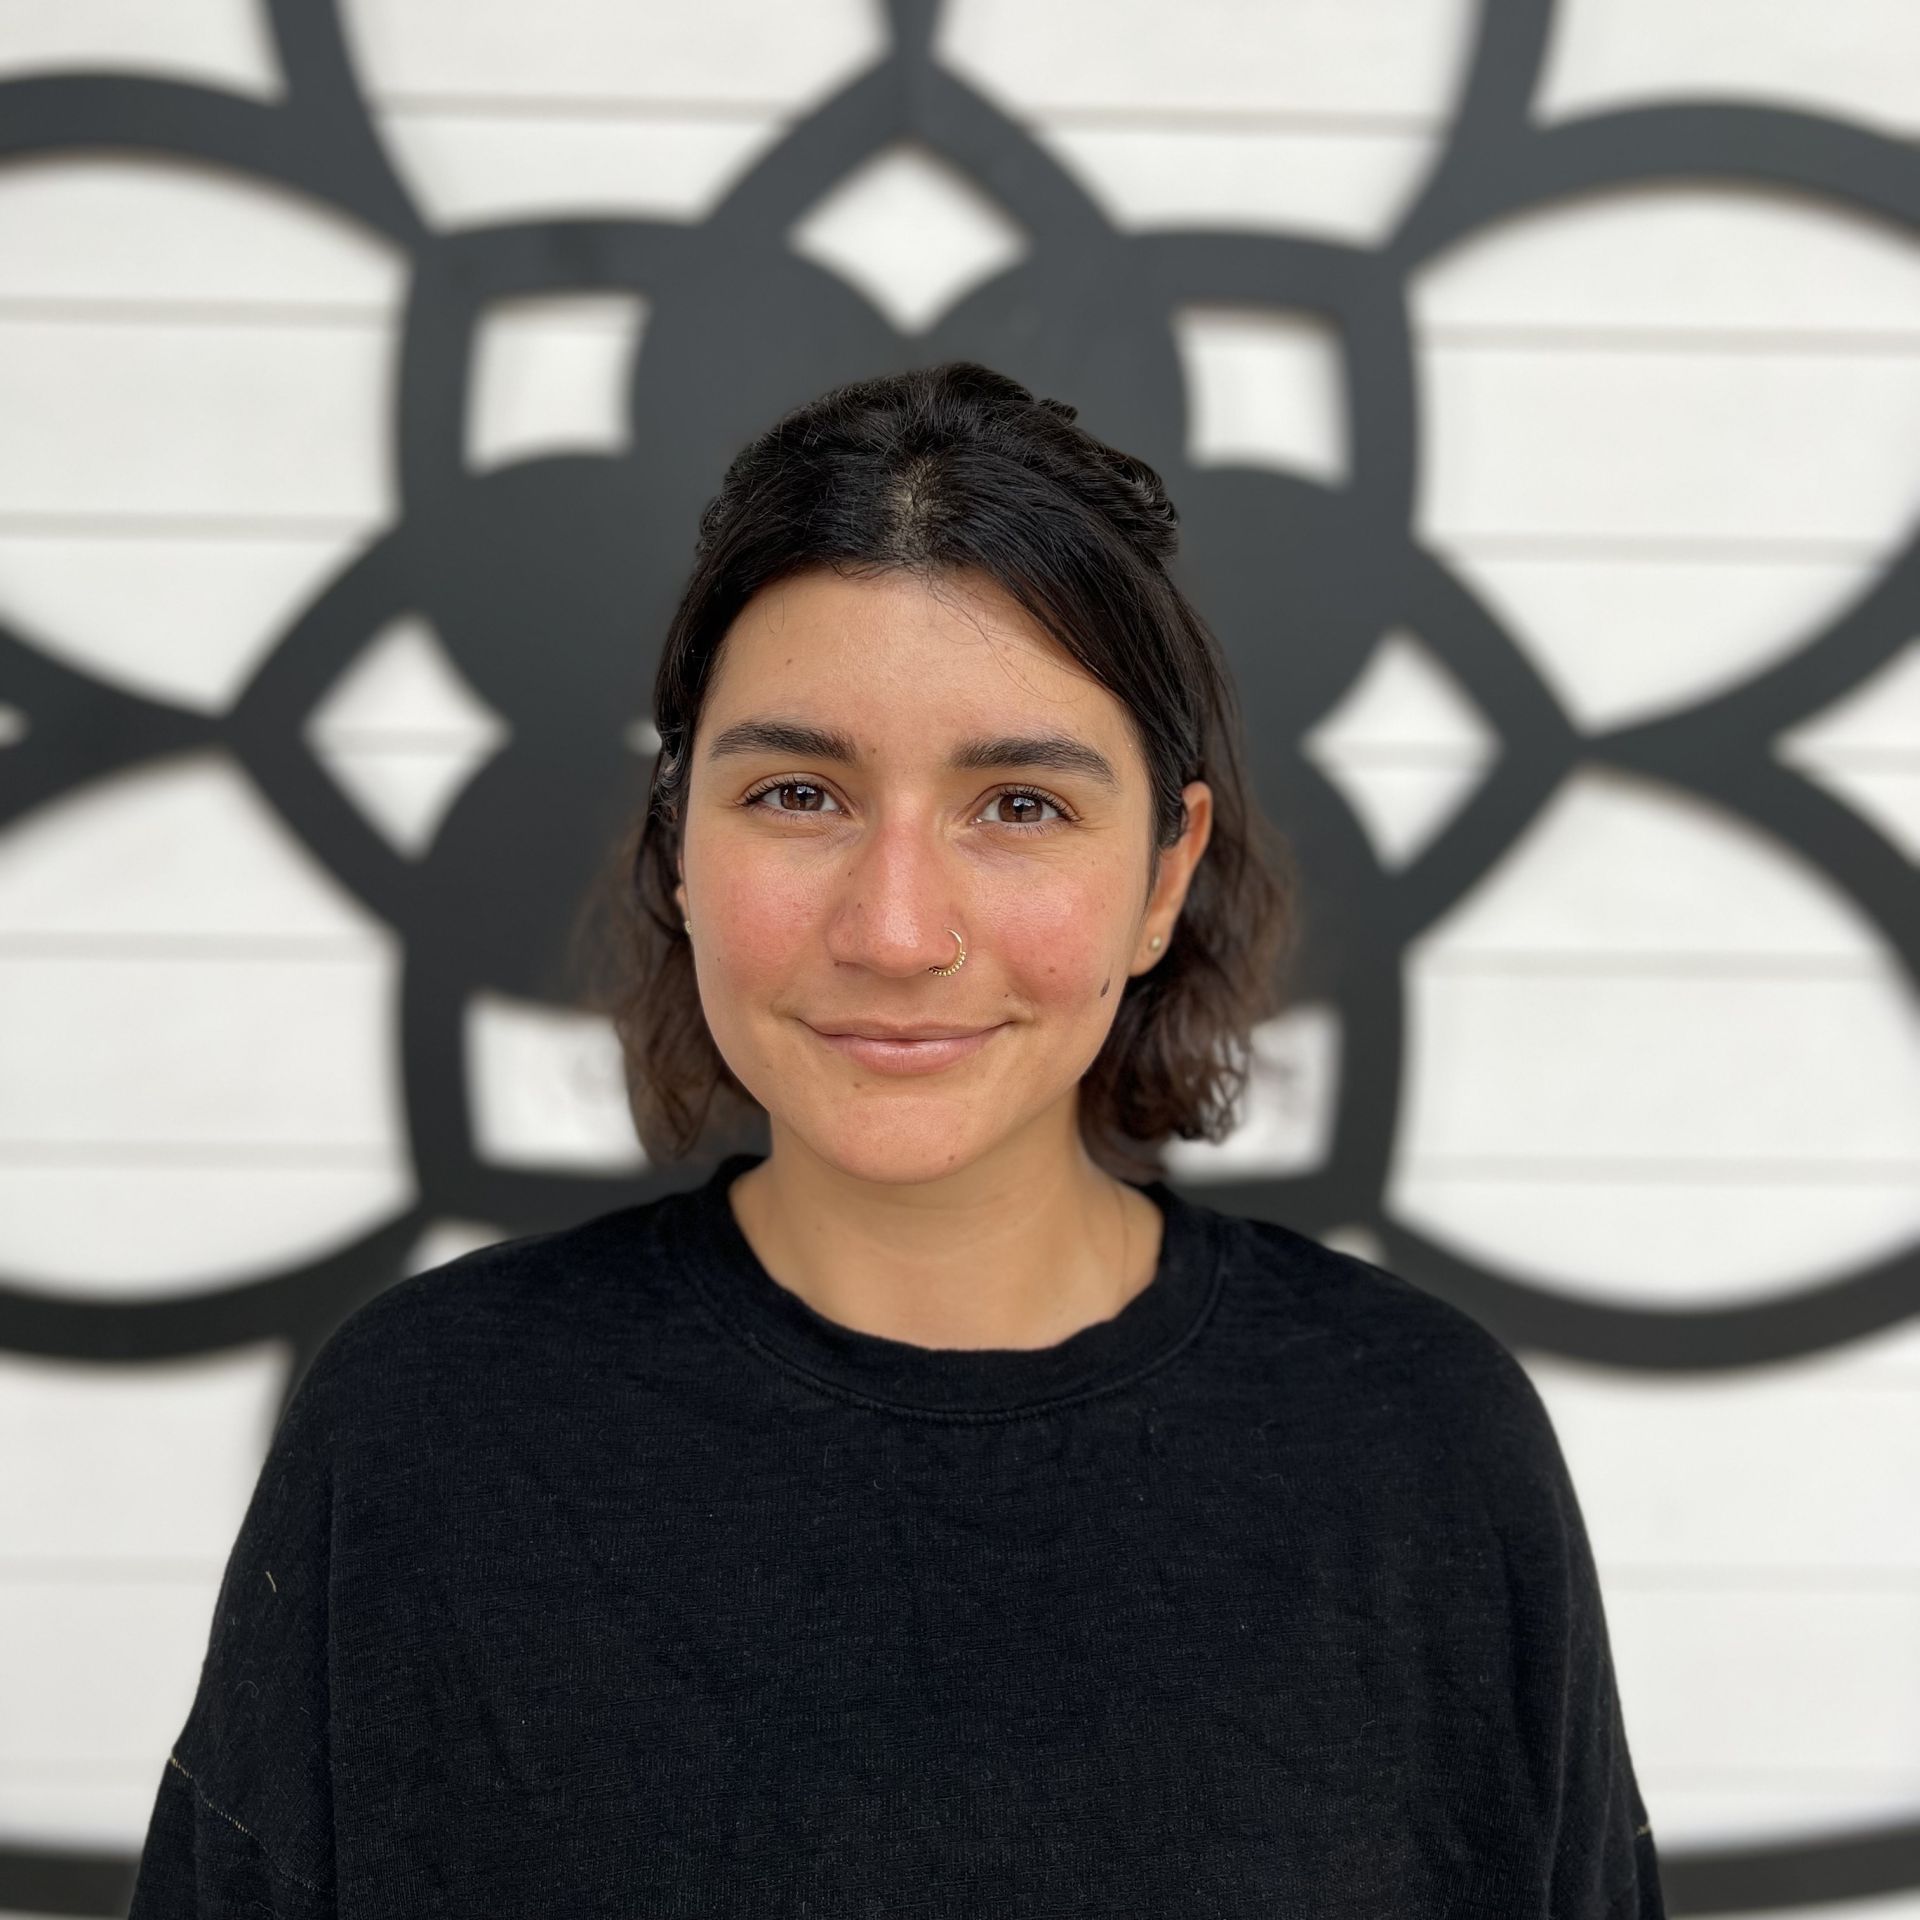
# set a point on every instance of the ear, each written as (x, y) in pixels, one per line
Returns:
(1177, 865)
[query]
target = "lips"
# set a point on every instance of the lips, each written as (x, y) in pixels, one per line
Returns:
(902, 1033)
(893, 1055)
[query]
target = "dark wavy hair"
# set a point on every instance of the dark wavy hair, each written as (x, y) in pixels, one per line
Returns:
(939, 471)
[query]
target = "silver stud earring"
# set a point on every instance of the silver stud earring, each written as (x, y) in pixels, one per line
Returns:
(1154, 942)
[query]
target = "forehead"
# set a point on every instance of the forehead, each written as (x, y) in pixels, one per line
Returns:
(903, 662)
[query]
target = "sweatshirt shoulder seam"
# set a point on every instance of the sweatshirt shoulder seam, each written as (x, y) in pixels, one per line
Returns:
(287, 1873)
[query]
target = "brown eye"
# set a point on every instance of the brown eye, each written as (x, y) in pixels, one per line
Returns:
(1029, 802)
(785, 787)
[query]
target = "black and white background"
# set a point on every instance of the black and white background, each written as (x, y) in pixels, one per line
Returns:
(1541, 389)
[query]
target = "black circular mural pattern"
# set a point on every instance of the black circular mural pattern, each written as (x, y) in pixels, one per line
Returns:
(587, 552)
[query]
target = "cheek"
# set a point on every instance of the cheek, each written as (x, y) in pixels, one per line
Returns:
(760, 923)
(1057, 938)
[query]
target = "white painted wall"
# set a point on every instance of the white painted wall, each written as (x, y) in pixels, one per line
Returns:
(1655, 1059)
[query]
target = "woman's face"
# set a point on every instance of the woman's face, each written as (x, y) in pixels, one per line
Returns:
(835, 830)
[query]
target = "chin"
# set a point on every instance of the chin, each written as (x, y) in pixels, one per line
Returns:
(889, 1149)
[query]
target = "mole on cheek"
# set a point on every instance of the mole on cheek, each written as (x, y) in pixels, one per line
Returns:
(1104, 985)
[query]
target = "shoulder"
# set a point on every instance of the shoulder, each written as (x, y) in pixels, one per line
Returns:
(530, 1301)
(1378, 1341)
(1369, 1314)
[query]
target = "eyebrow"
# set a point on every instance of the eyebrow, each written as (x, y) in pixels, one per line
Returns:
(1057, 751)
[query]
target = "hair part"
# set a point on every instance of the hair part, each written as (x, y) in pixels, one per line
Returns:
(940, 472)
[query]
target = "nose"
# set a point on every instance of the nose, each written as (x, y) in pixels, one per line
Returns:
(900, 895)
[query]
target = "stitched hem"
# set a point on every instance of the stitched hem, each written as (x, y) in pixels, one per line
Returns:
(286, 1873)
(720, 1315)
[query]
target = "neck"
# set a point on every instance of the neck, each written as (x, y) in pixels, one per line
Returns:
(1021, 1251)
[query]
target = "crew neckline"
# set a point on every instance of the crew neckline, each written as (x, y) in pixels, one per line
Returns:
(956, 1382)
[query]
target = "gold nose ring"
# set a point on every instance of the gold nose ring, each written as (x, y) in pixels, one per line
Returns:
(958, 964)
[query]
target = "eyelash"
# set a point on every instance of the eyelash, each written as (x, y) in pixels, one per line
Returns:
(1000, 793)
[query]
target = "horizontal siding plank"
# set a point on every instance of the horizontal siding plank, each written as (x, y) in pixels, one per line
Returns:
(1383, 57)
(1734, 1473)
(1753, 445)
(114, 1672)
(469, 167)
(1854, 59)
(1684, 1235)
(198, 1052)
(1714, 256)
(1343, 182)
(1769, 1679)
(129, 1225)
(219, 43)
(1815, 1070)
(751, 51)
(181, 419)
(128, 1464)
(141, 227)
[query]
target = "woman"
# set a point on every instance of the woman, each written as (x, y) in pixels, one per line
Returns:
(934, 1512)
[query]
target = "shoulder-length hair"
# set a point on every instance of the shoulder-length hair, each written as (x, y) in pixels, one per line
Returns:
(939, 471)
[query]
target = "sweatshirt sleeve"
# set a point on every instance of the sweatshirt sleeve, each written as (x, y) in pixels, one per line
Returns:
(1599, 1860)
(243, 1819)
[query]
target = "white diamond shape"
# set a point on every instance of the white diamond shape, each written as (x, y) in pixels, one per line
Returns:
(911, 233)
(402, 731)
(550, 375)
(1406, 746)
(1264, 389)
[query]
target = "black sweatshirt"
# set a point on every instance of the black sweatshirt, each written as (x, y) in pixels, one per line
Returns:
(594, 1573)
